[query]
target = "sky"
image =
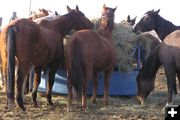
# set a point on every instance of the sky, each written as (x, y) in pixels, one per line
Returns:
(92, 8)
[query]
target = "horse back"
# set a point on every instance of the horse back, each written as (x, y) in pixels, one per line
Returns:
(96, 50)
(170, 49)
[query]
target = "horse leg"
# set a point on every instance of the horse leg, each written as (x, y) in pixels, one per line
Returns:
(171, 81)
(26, 88)
(107, 76)
(95, 84)
(52, 71)
(37, 80)
(70, 94)
(19, 85)
(88, 76)
(30, 79)
(178, 76)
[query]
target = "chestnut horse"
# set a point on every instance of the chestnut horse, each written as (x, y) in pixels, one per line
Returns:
(40, 14)
(89, 52)
(168, 55)
(38, 45)
(36, 15)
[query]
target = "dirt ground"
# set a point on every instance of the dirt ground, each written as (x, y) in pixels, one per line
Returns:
(120, 107)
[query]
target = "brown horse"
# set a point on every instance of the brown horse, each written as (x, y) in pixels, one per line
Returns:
(37, 45)
(168, 55)
(88, 53)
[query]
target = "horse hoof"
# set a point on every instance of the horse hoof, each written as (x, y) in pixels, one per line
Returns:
(23, 109)
(93, 101)
(140, 100)
(35, 105)
(84, 109)
(50, 103)
(106, 103)
(69, 109)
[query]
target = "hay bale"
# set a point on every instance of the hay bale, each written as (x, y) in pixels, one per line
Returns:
(124, 40)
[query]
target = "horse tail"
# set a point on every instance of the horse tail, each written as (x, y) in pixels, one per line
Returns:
(77, 68)
(11, 50)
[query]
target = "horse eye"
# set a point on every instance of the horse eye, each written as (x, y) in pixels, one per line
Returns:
(147, 18)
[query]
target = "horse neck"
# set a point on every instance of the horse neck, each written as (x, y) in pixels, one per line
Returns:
(164, 27)
(63, 25)
(152, 64)
(105, 32)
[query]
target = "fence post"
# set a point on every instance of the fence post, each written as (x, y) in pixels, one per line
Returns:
(0, 23)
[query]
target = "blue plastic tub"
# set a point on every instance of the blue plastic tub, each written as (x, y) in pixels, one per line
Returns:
(120, 84)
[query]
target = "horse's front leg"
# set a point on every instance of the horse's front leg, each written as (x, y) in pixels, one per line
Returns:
(37, 80)
(95, 84)
(107, 76)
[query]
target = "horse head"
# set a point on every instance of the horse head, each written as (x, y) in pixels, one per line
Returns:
(107, 17)
(147, 22)
(145, 86)
(36, 15)
(130, 21)
(82, 22)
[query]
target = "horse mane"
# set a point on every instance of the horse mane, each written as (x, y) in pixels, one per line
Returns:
(164, 25)
(152, 63)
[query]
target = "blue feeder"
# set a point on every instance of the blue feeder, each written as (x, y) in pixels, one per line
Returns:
(120, 84)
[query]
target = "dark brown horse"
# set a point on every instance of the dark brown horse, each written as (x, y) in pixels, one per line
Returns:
(153, 21)
(38, 45)
(168, 55)
(129, 21)
(88, 53)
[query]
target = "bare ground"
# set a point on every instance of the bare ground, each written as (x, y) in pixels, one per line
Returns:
(120, 107)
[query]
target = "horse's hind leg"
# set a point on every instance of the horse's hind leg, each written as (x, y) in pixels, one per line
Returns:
(37, 80)
(178, 76)
(69, 86)
(52, 71)
(107, 76)
(19, 82)
(95, 84)
(171, 81)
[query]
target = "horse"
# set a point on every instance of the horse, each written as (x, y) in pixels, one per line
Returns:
(129, 21)
(38, 45)
(166, 54)
(41, 13)
(153, 21)
(150, 44)
(87, 53)
(51, 16)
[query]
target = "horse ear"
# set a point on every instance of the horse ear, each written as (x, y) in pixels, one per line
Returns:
(152, 10)
(77, 8)
(157, 11)
(115, 9)
(134, 19)
(33, 12)
(68, 9)
(56, 13)
(43, 10)
(104, 6)
(128, 18)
